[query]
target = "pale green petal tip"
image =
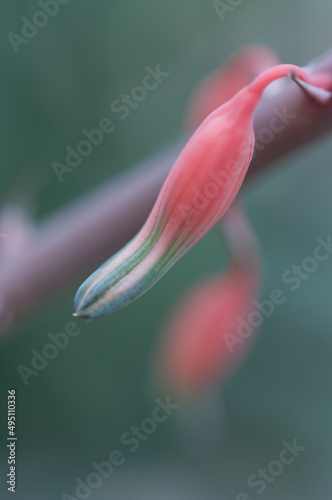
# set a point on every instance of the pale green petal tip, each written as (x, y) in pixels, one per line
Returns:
(106, 292)
(99, 302)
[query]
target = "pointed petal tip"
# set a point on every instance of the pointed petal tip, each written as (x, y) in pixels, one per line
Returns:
(82, 314)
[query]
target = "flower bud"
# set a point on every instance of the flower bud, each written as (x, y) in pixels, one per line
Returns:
(201, 345)
(199, 189)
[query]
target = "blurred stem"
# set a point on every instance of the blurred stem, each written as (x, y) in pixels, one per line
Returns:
(76, 239)
(240, 240)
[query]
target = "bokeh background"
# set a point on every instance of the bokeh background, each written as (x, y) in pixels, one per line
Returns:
(75, 411)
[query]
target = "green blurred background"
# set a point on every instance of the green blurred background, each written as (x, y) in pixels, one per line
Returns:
(75, 411)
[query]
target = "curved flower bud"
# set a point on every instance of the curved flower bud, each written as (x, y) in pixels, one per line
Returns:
(221, 85)
(197, 192)
(201, 341)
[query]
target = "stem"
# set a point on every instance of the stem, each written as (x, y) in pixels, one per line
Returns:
(241, 241)
(260, 83)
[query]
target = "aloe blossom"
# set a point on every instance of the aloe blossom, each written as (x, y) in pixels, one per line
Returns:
(200, 187)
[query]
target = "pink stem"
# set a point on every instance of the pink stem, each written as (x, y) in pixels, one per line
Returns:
(262, 81)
